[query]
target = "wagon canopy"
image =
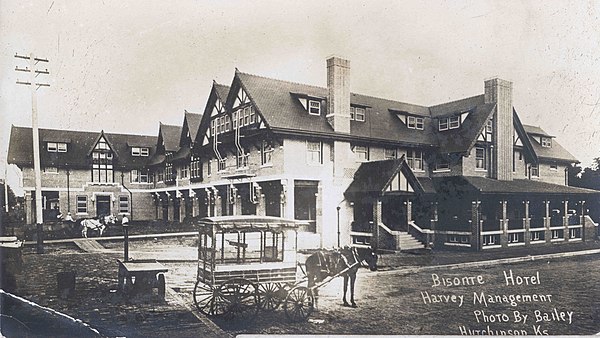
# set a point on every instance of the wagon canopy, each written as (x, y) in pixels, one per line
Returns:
(246, 223)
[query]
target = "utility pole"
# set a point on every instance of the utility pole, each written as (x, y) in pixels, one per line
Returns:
(34, 86)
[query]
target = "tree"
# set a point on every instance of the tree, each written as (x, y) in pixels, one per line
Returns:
(588, 177)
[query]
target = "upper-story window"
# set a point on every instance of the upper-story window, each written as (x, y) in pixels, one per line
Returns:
(414, 122)
(243, 117)
(390, 153)
(266, 153)
(480, 158)
(553, 166)
(314, 152)
(208, 168)
(362, 153)
(54, 147)
(546, 142)
(160, 175)
(102, 162)
(220, 125)
(535, 170)
(451, 122)
(414, 158)
(140, 176)
(489, 127)
(243, 158)
(357, 114)
(222, 164)
(442, 164)
(140, 151)
(183, 171)
(195, 167)
(314, 107)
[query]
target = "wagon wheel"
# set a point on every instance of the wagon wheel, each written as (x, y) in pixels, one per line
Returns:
(271, 295)
(242, 298)
(162, 286)
(299, 304)
(209, 300)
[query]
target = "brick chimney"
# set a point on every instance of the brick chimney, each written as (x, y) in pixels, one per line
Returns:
(499, 91)
(338, 101)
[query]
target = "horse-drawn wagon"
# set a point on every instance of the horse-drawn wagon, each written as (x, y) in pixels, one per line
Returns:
(249, 263)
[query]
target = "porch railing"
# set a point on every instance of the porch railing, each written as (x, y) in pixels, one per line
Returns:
(537, 236)
(491, 239)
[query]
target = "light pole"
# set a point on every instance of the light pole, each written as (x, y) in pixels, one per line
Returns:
(338, 224)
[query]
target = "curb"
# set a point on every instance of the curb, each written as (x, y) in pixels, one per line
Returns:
(405, 271)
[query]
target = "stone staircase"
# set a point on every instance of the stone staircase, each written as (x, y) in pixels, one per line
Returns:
(405, 241)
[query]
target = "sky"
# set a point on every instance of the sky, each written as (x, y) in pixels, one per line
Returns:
(124, 66)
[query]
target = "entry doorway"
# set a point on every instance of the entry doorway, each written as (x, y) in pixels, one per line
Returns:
(102, 206)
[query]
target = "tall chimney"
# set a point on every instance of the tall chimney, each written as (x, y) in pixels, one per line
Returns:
(499, 91)
(338, 85)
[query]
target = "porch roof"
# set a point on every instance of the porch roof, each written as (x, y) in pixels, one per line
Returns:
(517, 186)
(376, 178)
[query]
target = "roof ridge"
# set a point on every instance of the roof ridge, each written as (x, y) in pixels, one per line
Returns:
(286, 81)
(457, 100)
(84, 131)
(325, 88)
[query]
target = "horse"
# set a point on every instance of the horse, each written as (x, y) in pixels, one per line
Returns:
(96, 224)
(329, 263)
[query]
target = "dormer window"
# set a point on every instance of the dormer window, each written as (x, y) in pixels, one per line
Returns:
(452, 122)
(546, 142)
(414, 122)
(140, 151)
(489, 127)
(314, 107)
(357, 114)
(54, 147)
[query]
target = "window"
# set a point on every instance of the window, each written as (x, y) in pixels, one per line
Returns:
(454, 122)
(184, 171)
(208, 167)
(242, 159)
(415, 122)
(442, 164)
(314, 107)
(553, 167)
(390, 154)
(140, 176)
(535, 170)
(123, 204)
(221, 124)
(480, 158)
(140, 151)
(62, 147)
(443, 124)
(81, 204)
(546, 142)
(314, 152)
(222, 164)
(160, 175)
(362, 153)
(51, 170)
(489, 127)
(195, 167)
(414, 158)
(102, 167)
(169, 175)
(52, 147)
(266, 153)
(357, 114)
(451, 122)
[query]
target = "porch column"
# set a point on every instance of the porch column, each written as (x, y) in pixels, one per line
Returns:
(377, 219)
(475, 225)
(171, 209)
(261, 206)
(527, 224)
(237, 203)
(408, 212)
(566, 232)
(548, 233)
(433, 222)
(504, 225)
(195, 203)
(287, 198)
(217, 210)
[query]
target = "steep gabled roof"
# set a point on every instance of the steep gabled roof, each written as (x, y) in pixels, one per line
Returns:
(170, 136)
(556, 152)
(193, 123)
(372, 178)
(529, 152)
(217, 92)
(277, 101)
(222, 91)
(79, 143)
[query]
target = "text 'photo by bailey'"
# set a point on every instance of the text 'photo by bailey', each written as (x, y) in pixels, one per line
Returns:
(264, 168)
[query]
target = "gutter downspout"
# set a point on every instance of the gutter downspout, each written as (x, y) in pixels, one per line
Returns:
(68, 191)
(130, 195)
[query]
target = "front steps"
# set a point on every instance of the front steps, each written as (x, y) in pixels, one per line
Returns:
(405, 241)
